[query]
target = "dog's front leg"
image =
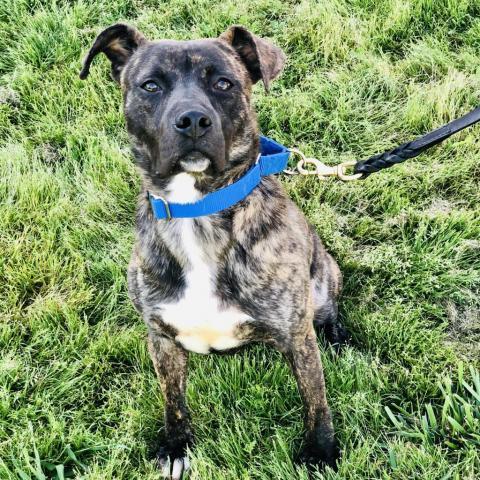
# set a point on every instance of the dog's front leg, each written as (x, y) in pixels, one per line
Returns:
(170, 362)
(320, 446)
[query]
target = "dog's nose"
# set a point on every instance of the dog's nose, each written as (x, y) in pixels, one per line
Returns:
(193, 124)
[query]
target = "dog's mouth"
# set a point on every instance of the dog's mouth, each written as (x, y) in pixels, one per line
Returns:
(194, 162)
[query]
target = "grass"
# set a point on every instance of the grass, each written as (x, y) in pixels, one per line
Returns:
(78, 395)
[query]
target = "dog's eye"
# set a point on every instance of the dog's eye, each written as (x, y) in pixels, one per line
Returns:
(151, 86)
(223, 84)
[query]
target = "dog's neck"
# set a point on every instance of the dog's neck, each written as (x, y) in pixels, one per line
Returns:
(185, 238)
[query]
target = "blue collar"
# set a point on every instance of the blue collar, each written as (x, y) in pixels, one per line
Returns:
(273, 158)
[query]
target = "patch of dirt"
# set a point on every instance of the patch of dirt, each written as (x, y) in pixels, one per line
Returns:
(439, 206)
(49, 154)
(9, 97)
(464, 331)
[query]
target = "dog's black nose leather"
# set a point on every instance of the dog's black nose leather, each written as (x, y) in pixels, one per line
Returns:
(193, 124)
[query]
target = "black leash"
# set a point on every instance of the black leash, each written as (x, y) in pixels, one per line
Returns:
(415, 147)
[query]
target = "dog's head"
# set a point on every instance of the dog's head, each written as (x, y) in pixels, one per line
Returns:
(187, 103)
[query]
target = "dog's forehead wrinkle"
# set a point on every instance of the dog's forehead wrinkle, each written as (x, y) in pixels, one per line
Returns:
(186, 53)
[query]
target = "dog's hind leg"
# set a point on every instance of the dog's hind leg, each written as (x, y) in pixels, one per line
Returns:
(170, 362)
(320, 446)
(326, 284)
(325, 321)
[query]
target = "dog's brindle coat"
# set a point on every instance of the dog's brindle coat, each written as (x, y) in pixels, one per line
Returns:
(253, 272)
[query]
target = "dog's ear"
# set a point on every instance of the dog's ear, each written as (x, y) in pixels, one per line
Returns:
(263, 60)
(118, 43)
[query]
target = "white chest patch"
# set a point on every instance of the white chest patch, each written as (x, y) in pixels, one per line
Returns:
(201, 321)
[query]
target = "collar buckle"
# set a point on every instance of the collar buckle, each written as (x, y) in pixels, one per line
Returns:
(165, 204)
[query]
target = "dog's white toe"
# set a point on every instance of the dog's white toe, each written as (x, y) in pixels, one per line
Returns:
(177, 470)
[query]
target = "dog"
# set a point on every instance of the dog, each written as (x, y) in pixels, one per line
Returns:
(254, 272)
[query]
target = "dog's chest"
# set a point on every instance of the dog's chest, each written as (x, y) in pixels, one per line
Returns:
(201, 321)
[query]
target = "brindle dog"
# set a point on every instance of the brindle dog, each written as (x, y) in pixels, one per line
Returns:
(253, 272)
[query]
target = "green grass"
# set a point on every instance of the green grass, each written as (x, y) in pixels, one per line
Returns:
(78, 395)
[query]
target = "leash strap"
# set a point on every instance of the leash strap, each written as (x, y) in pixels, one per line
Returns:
(416, 147)
(273, 158)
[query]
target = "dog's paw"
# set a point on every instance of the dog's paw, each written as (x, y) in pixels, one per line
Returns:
(173, 464)
(320, 455)
(335, 334)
